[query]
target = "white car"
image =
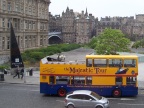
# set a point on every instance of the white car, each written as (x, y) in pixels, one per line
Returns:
(85, 99)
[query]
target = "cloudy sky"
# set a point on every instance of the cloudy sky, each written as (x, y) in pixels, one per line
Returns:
(99, 8)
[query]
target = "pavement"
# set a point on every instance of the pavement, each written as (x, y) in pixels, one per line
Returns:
(78, 55)
(27, 79)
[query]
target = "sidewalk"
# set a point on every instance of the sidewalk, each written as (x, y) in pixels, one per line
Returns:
(34, 79)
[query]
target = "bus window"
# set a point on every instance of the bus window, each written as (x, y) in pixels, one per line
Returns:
(129, 63)
(89, 62)
(78, 80)
(62, 80)
(115, 62)
(131, 80)
(52, 79)
(118, 80)
(100, 62)
(88, 80)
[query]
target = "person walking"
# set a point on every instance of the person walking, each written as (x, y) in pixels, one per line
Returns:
(17, 73)
(22, 73)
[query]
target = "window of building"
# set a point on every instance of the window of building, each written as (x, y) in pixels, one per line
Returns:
(26, 23)
(34, 41)
(4, 5)
(34, 26)
(41, 40)
(9, 6)
(3, 43)
(22, 27)
(15, 23)
(21, 40)
(17, 5)
(3, 22)
(8, 43)
(30, 25)
(26, 42)
(8, 23)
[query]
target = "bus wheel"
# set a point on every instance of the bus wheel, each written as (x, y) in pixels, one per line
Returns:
(116, 93)
(62, 92)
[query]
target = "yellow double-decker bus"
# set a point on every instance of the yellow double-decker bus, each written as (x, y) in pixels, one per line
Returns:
(107, 75)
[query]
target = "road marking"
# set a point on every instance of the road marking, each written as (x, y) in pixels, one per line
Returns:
(60, 101)
(127, 99)
(34, 90)
(131, 104)
(121, 99)
(113, 98)
(18, 89)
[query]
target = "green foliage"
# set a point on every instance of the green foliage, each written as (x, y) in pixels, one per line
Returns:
(2, 67)
(93, 42)
(110, 41)
(138, 44)
(36, 54)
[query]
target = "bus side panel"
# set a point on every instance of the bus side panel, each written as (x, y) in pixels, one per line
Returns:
(51, 89)
(44, 88)
(129, 91)
(101, 90)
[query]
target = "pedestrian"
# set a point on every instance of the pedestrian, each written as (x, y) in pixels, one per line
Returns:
(31, 72)
(17, 73)
(22, 73)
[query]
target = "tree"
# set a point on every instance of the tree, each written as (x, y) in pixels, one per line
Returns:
(111, 41)
(138, 44)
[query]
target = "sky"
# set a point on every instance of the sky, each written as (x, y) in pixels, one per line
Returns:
(99, 8)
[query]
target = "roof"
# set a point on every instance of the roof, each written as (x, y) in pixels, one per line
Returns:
(82, 92)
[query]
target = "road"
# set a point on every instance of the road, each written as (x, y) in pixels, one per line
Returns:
(28, 96)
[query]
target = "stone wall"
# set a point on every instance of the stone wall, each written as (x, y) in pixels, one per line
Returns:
(4, 59)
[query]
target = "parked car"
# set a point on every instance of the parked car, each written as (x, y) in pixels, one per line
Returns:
(85, 99)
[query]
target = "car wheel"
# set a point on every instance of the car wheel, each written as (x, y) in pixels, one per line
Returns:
(62, 92)
(116, 93)
(70, 106)
(99, 106)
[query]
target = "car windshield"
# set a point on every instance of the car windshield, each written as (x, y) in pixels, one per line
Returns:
(96, 95)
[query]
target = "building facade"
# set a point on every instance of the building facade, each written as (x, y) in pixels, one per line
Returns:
(55, 23)
(30, 22)
(68, 26)
(77, 27)
(84, 25)
(81, 27)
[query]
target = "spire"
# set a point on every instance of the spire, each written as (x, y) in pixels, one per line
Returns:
(67, 9)
(86, 12)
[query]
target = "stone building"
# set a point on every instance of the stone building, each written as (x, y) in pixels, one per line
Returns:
(68, 26)
(77, 27)
(30, 22)
(84, 25)
(107, 22)
(55, 23)
(81, 27)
